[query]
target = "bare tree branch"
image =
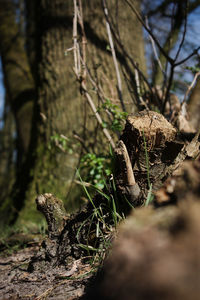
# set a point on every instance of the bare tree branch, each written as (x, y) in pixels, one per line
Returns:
(188, 57)
(81, 60)
(119, 86)
(184, 33)
(171, 61)
(190, 87)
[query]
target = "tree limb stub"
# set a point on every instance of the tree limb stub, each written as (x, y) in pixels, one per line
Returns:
(131, 188)
(159, 145)
(54, 212)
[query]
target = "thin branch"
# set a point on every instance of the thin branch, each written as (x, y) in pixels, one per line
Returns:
(119, 86)
(75, 38)
(154, 50)
(98, 89)
(190, 87)
(168, 89)
(81, 60)
(81, 141)
(126, 55)
(137, 80)
(97, 115)
(171, 61)
(187, 57)
(184, 33)
(84, 41)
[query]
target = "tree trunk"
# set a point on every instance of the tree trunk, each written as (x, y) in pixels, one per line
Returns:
(7, 147)
(60, 109)
(17, 76)
(20, 95)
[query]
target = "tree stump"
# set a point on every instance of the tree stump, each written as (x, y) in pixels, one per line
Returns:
(150, 143)
(148, 152)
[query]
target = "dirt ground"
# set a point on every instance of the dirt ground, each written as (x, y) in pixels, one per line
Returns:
(17, 283)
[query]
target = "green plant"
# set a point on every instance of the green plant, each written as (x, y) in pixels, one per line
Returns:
(101, 223)
(62, 142)
(96, 167)
(194, 69)
(118, 116)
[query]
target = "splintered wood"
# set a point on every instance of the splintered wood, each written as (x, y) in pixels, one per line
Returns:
(156, 128)
(153, 149)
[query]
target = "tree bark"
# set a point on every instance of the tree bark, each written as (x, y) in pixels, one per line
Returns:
(60, 109)
(20, 95)
(7, 147)
(17, 76)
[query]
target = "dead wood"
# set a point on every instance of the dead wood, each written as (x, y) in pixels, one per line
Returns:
(156, 254)
(130, 188)
(148, 152)
(151, 144)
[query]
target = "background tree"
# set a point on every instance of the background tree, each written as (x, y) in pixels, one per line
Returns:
(48, 157)
(59, 109)
(19, 98)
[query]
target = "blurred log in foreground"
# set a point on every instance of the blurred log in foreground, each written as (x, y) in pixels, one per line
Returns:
(157, 252)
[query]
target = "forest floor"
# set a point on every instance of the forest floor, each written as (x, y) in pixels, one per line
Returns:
(156, 253)
(17, 283)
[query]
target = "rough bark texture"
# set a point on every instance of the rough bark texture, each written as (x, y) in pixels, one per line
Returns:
(58, 108)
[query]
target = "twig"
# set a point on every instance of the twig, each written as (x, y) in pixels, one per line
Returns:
(154, 49)
(191, 86)
(168, 89)
(127, 56)
(138, 89)
(75, 38)
(87, 184)
(171, 61)
(81, 141)
(97, 115)
(187, 57)
(119, 86)
(81, 74)
(184, 33)
(46, 293)
(84, 41)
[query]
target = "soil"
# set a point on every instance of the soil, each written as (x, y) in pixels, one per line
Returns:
(55, 283)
